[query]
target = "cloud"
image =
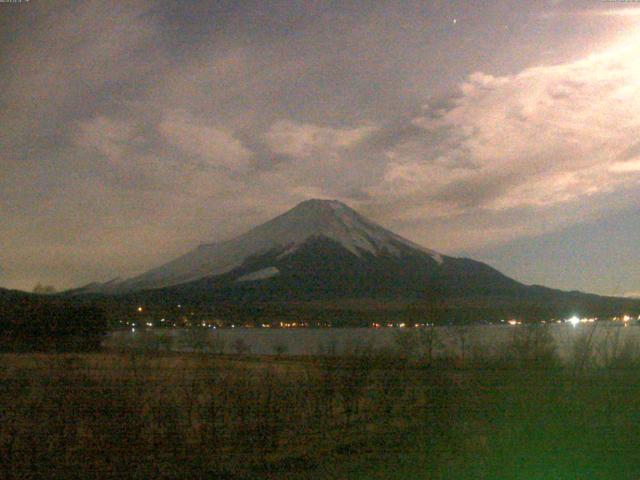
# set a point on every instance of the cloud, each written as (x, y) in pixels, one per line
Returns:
(117, 151)
(107, 136)
(614, 12)
(215, 145)
(305, 140)
(547, 137)
(68, 59)
(141, 124)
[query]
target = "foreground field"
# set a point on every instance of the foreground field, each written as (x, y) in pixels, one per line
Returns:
(190, 416)
(132, 415)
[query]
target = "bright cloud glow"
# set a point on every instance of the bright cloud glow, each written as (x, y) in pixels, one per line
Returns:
(545, 137)
(614, 12)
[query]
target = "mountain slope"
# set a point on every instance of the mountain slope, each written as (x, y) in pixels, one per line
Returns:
(322, 268)
(321, 249)
(284, 234)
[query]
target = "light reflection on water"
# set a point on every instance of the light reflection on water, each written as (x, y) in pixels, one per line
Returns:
(309, 341)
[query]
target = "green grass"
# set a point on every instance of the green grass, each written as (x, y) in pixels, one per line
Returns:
(530, 424)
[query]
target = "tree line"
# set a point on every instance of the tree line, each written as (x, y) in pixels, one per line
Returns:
(34, 323)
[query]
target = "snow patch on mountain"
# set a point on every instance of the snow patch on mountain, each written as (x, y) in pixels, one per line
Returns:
(262, 274)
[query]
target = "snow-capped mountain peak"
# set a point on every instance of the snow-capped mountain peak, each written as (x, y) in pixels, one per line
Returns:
(335, 220)
(284, 234)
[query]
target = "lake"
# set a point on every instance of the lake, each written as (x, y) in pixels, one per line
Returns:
(311, 341)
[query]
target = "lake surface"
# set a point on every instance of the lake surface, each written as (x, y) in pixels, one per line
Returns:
(308, 341)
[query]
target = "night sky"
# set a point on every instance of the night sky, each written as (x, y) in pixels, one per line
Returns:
(508, 131)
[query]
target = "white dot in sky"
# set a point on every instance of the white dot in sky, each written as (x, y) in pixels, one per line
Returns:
(455, 20)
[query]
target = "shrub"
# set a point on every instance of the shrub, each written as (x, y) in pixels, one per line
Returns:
(240, 346)
(531, 346)
(406, 342)
(280, 349)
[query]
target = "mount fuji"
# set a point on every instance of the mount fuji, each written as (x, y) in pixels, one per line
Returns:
(270, 247)
(324, 251)
(319, 244)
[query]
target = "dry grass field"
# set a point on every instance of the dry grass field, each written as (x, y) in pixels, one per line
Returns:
(520, 414)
